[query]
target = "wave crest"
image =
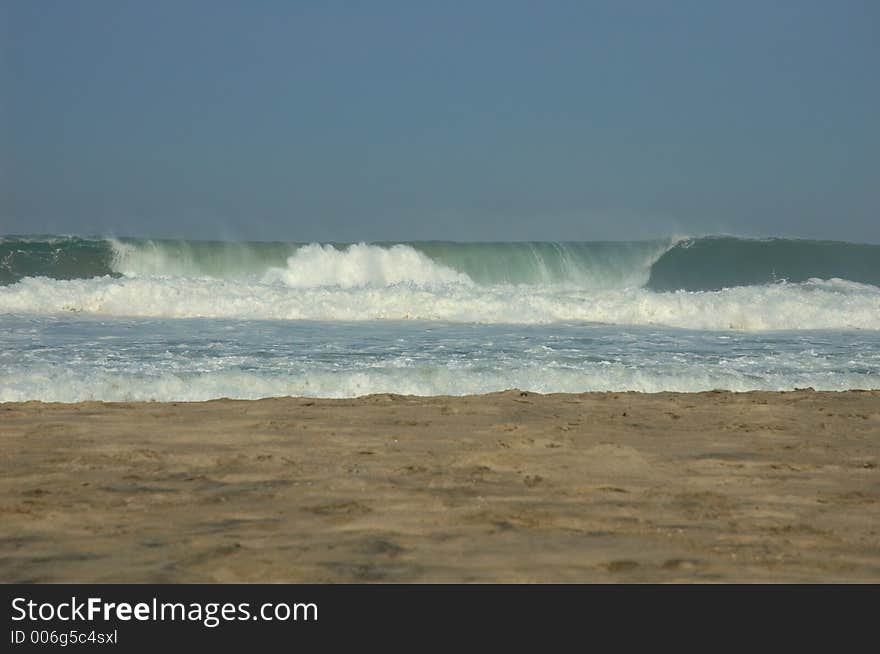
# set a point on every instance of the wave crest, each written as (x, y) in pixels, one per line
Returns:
(700, 264)
(360, 265)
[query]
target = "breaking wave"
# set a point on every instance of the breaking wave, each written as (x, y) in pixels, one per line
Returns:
(706, 283)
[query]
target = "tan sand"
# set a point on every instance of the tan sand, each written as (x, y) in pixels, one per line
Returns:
(509, 487)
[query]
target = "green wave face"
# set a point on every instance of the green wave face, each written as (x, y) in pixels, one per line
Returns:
(589, 264)
(713, 263)
(695, 265)
(55, 257)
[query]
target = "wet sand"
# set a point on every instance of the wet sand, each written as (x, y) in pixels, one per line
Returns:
(508, 487)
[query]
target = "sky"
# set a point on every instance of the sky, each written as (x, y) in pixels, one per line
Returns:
(480, 120)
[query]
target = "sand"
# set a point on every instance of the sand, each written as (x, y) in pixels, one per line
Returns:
(508, 487)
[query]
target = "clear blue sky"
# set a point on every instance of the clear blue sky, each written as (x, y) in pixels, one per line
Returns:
(477, 120)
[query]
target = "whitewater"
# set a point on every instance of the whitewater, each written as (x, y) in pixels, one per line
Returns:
(136, 319)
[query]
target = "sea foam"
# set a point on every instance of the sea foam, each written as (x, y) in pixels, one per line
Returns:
(67, 384)
(362, 265)
(814, 304)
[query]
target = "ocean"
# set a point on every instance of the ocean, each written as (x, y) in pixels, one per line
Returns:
(117, 319)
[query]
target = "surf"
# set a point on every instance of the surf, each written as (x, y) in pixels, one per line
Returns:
(712, 283)
(814, 304)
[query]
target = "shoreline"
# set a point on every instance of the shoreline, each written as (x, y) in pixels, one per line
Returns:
(506, 487)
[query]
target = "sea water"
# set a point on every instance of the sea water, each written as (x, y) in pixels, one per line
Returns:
(127, 319)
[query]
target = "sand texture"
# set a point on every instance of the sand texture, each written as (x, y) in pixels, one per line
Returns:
(508, 487)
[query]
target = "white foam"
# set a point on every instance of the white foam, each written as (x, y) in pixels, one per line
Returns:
(149, 259)
(817, 304)
(357, 265)
(66, 384)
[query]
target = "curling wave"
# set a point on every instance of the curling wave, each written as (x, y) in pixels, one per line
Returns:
(700, 264)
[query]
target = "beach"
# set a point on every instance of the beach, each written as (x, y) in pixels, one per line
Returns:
(503, 487)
